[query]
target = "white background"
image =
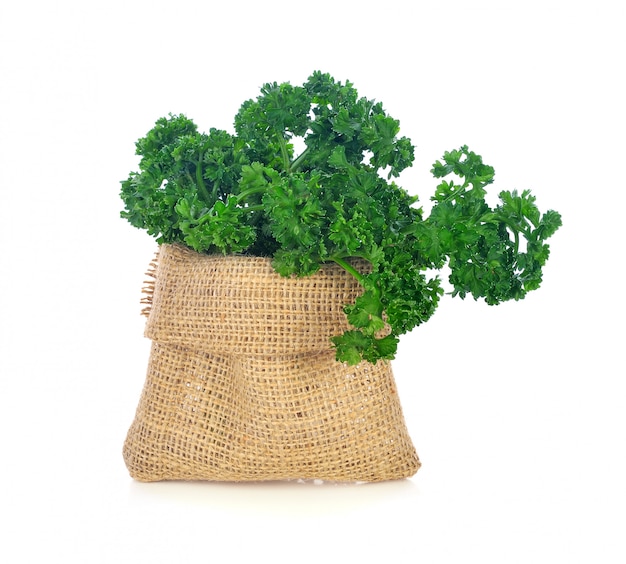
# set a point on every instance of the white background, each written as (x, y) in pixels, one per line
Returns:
(517, 412)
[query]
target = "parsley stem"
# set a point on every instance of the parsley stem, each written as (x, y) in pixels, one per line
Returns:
(349, 268)
(284, 153)
(295, 165)
(243, 195)
(203, 192)
(215, 191)
(255, 207)
(513, 230)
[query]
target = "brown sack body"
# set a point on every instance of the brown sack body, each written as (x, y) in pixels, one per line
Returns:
(243, 385)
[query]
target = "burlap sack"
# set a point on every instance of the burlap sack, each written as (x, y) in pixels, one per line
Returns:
(243, 385)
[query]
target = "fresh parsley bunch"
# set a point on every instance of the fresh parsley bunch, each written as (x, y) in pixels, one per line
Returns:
(334, 201)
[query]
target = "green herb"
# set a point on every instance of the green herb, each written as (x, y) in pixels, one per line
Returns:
(335, 201)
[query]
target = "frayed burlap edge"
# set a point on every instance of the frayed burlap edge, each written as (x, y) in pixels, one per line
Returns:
(148, 286)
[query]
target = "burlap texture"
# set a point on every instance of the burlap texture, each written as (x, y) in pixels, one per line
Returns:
(242, 382)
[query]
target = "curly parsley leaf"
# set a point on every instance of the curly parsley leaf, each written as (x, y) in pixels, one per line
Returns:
(483, 246)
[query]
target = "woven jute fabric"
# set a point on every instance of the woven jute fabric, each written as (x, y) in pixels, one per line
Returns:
(242, 382)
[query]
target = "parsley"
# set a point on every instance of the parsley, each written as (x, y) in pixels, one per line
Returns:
(336, 201)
